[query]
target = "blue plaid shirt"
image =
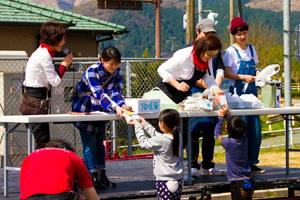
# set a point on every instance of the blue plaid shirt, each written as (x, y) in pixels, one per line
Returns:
(104, 98)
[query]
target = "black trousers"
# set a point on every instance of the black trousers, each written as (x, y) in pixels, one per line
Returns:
(238, 193)
(208, 145)
(41, 135)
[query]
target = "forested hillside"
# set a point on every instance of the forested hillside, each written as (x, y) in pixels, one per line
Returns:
(142, 26)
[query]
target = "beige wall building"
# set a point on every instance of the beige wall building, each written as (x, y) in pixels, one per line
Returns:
(26, 39)
(20, 23)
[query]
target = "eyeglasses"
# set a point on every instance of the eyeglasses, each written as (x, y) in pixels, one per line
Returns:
(65, 39)
(211, 56)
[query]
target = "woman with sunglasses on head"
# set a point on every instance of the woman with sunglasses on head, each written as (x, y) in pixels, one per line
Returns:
(40, 73)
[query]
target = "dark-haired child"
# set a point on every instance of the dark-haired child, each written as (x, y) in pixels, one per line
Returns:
(100, 89)
(239, 61)
(166, 147)
(238, 165)
(50, 172)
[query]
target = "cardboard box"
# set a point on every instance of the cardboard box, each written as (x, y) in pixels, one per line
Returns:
(141, 105)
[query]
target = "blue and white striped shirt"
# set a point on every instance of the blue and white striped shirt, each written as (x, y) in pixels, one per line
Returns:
(104, 98)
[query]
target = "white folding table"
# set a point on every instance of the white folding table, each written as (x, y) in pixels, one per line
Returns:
(53, 118)
(67, 118)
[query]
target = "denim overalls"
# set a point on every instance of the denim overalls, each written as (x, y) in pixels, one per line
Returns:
(253, 121)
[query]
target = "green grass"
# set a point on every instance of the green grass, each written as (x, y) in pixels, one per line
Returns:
(295, 94)
(264, 128)
(277, 149)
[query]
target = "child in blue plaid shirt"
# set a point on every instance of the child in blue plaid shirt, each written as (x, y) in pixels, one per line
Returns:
(100, 89)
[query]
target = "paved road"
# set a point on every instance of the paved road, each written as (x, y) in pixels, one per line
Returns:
(296, 102)
(275, 141)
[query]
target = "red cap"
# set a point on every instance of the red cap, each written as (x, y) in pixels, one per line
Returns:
(237, 22)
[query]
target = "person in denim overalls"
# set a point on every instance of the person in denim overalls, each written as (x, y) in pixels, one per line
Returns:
(239, 62)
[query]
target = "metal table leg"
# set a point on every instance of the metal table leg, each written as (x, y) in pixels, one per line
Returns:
(287, 167)
(5, 160)
(181, 139)
(30, 138)
(189, 150)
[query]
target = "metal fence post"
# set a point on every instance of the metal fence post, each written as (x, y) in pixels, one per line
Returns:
(128, 95)
(128, 81)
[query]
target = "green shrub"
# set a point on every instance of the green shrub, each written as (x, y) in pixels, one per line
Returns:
(295, 94)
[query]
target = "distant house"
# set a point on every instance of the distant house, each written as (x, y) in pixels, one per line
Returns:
(20, 22)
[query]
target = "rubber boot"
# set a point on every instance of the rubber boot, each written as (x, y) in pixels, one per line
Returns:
(97, 184)
(104, 180)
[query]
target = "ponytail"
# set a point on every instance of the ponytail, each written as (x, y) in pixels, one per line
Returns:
(171, 118)
(176, 139)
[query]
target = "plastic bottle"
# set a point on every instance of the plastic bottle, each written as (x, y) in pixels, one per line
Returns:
(129, 116)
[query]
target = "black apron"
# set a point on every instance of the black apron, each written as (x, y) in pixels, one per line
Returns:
(176, 95)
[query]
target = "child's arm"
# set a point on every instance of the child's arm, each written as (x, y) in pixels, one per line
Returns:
(147, 143)
(151, 131)
(148, 128)
(218, 129)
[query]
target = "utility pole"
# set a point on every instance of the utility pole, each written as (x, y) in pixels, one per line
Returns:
(239, 4)
(190, 25)
(287, 74)
(231, 17)
(200, 10)
(157, 30)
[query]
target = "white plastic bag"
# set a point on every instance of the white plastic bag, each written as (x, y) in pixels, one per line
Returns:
(234, 102)
(267, 72)
(251, 101)
(196, 103)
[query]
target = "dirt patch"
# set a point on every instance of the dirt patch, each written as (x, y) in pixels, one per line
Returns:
(273, 5)
(278, 159)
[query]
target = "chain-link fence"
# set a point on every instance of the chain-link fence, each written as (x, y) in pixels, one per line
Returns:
(140, 77)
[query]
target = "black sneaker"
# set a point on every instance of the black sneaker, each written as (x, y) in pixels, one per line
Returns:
(256, 170)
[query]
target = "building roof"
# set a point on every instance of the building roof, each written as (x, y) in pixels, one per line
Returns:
(23, 13)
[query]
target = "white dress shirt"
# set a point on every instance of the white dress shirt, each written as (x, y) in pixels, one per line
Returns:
(181, 67)
(40, 71)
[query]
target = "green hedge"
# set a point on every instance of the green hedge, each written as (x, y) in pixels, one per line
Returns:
(295, 94)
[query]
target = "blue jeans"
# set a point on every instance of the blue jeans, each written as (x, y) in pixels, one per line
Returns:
(93, 150)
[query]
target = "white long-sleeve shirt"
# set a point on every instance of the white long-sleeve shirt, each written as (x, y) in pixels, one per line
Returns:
(181, 67)
(40, 71)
